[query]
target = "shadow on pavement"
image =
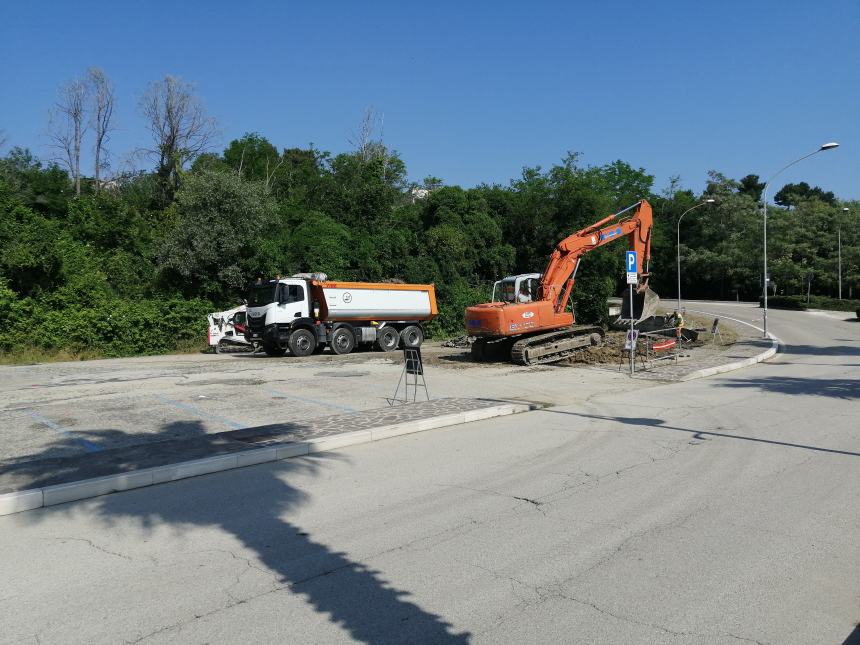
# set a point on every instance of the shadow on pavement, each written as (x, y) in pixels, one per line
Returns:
(348, 593)
(833, 387)
(699, 434)
(820, 350)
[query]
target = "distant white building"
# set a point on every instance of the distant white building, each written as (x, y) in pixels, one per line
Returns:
(419, 193)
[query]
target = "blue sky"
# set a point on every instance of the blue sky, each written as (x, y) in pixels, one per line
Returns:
(473, 91)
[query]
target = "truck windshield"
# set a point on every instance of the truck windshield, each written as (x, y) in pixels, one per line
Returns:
(261, 294)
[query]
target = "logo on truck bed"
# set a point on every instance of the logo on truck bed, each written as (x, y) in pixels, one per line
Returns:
(347, 297)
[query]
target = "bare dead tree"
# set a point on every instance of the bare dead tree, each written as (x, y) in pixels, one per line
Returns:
(67, 127)
(363, 140)
(3, 139)
(101, 115)
(271, 175)
(180, 128)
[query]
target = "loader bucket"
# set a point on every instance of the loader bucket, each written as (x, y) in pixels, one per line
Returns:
(644, 305)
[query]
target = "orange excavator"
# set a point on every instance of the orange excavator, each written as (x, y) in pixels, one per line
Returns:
(530, 318)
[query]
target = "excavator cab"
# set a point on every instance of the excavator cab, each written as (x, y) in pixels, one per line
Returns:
(517, 288)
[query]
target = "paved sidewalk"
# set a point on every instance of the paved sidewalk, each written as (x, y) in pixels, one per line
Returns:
(668, 370)
(707, 359)
(45, 480)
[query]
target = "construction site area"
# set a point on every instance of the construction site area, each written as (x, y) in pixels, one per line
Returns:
(65, 409)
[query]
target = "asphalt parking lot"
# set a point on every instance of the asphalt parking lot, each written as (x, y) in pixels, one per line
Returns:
(64, 409)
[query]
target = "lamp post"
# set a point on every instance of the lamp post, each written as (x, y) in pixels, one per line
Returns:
(826, 146)
(678, 244)
(839, 237)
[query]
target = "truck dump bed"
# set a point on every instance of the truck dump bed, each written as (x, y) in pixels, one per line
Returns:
(375, 301)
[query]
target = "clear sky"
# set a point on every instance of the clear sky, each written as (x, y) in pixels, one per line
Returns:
(473, 91)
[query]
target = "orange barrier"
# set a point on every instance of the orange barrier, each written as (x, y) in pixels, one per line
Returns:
(666, 344)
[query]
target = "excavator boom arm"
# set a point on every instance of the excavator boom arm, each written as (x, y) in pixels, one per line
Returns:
(558, 278)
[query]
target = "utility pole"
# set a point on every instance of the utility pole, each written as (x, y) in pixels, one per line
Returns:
(839, 237)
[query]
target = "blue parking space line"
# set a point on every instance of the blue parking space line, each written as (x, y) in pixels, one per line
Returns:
(286, 395)
(89, 446)
(201, 413)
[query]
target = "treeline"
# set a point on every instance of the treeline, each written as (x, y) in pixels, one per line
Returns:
(132, 265)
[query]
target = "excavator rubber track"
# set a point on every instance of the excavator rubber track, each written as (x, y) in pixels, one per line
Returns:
(555, 345)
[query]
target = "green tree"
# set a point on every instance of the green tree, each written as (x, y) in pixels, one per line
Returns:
(751, 186)
(45, 189)
(29, 257)
(253, 157)
(791, 194)
(212, 247)
(319, 243)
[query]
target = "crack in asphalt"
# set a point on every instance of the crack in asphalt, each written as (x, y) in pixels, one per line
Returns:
(537, 504)
(544, 593)
(528, 499)
(90, 543)
(655, 626)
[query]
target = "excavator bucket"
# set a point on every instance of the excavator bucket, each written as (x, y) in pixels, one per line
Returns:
(645, 305)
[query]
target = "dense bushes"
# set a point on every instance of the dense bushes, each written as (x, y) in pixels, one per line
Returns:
(113, 327)
(799, 303)
(784, 302)
(832, 304)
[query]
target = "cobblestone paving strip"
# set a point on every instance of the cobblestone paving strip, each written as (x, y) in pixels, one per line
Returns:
(364, 420)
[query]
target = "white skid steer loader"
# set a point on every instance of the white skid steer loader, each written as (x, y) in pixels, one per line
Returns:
(227, 331)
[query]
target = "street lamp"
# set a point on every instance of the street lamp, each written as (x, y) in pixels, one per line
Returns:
(839, 236)
(826, 146)
(678, 244)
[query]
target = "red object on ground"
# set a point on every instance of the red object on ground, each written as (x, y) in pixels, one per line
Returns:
(666, 344)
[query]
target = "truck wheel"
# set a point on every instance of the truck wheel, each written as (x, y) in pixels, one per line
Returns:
(302, 343)
(342, 341)
(411, 337)
(273, 350)
(387, 339)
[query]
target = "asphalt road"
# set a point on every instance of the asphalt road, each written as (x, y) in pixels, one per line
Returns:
(723, 510)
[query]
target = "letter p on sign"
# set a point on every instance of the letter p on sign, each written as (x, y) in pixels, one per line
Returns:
(631, 261)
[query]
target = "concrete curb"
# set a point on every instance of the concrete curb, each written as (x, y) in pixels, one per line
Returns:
(27, 500)
(729, 367)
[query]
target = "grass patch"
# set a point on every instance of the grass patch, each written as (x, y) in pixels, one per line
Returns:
(33, 355)
(799, 303)
(36, 355)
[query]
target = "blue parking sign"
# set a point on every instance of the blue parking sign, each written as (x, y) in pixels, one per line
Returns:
(632, 277)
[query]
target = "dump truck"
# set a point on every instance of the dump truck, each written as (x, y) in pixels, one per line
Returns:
(306, 312)
(530, 319)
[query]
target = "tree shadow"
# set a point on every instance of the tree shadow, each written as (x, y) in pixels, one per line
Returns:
(699, 434)
(350, 594)
(839, 388)
(806, 363)
(820, 350)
